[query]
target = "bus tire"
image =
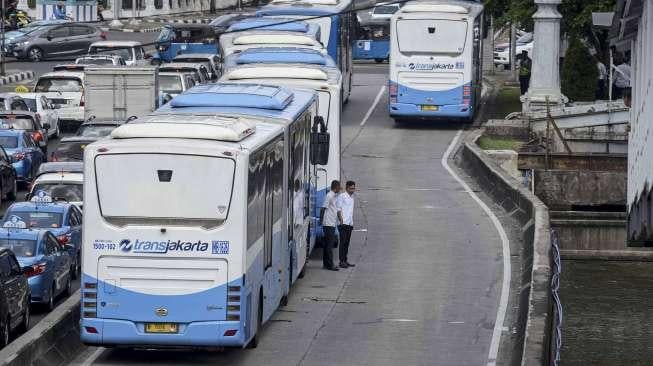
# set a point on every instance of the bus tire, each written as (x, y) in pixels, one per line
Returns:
(302, 273)
(253, 343)
(379, 60)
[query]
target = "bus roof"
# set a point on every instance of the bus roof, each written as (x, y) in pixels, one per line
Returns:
(441, 6)
(275, 38)
(266, 55)
(278, 24)
(241, 99)
(284, 71)
(304, 7)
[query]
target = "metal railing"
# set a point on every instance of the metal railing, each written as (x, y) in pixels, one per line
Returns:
(556, 330)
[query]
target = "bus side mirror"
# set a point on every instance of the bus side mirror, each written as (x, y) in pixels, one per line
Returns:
(319, 142)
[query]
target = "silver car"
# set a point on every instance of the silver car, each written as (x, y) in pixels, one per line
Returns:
(58, 40)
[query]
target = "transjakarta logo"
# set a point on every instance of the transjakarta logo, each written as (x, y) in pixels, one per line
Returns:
(435, 66)
(143, 246)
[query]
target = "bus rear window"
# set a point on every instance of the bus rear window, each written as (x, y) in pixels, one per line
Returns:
(433, 36)
(172, 189)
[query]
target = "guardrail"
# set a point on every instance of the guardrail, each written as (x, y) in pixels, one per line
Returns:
(556, 341)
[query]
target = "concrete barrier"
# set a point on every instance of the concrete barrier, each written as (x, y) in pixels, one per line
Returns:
(53, 341)
(535, 305)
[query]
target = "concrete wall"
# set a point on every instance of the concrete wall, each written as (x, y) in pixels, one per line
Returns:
(535, 308)
(596, 231)
(563, 189)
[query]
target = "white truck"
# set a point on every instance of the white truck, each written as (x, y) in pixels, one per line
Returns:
(117, 93)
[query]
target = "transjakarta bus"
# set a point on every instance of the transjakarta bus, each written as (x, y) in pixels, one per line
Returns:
(435, 60)
(278, 55)
(188, 219)
(327, 83)
(239, 41)
(336, 23)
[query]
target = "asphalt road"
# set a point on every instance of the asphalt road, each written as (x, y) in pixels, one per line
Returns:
(427, 281)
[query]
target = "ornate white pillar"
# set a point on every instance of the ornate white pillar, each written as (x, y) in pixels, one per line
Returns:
(545, 75)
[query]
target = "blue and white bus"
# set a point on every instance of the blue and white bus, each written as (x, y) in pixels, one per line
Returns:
(435, 60)
(189, 218)
(327, 84)
(337, 24)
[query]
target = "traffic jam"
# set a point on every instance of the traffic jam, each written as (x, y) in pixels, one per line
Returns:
(265, 88)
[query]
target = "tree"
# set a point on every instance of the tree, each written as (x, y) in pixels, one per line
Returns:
(579, 73)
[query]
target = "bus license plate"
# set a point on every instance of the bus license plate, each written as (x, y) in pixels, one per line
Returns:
(430, 108)
(161, 328)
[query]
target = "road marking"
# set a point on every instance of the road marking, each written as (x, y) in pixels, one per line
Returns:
(376, 101)
(93, 357)
(505, 286)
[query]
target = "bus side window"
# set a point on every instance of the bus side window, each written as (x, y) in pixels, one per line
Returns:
(255, 203)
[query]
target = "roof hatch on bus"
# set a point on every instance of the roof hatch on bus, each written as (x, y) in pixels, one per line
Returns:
(283, 72)
(234, 95)
(221, 128)
(277, 24)
(281, 55)
(434, 8)
(271, 38)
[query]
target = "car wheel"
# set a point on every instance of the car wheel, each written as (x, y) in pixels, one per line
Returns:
(50, 304)
(56, 132)
(69, 285)
(35, 54)
(4, 338)
(24, 326)
(11, 196)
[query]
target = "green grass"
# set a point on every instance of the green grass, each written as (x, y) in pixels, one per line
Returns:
(499, 143)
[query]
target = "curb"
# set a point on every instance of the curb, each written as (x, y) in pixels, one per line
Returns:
(535, 313)
(183, 21)
(14, 78)
(53, 341)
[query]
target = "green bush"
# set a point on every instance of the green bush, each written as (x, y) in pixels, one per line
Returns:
(579, 73)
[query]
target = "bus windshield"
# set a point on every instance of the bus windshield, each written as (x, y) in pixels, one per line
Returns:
(433, 36)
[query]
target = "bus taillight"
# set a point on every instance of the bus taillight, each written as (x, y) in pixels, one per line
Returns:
(392, 90)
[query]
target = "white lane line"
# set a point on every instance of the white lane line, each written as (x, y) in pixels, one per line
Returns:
(376, 101)
(93, 357)
(505, 286)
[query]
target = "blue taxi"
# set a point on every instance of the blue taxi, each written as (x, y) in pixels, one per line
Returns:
(45, 261)
(25, 154)
(62, 219)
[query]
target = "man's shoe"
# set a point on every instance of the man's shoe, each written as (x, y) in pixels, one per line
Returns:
(331, 268)
(350, 265)
(343, 265)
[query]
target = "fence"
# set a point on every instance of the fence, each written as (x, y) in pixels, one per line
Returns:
(556, 329)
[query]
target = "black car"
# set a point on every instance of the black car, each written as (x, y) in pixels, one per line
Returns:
(8, 186)
(71, 149)
(14, 297)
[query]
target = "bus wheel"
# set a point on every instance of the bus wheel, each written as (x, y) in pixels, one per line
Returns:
(253, 343)
(302, 272)
(379, 60)
(284, 300)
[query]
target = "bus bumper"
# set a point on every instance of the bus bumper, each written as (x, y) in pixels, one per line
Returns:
(114, 332)
(444, 111)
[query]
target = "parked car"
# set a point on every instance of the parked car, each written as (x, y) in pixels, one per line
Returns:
(60, 179)
(101, 60)
(199, 71)
(210, 61)
(172, 84)
(502, 50)
(45, 111)
(12, 102)
(24, 153)
(58, 40)
(61, 218)
(47, 262)
(131, 51)
(71, 149)
(97, 129)
(27, 121)
(14, 294)
(65, 90)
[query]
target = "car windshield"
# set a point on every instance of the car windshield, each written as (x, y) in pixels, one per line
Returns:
(124, 52)
(95, 61)
(166, 35)
(386, 9)
(70, 151)
(58, 84)
(38, 219)
(95, 130)
(170, 84)
(20, 247)
(9, 142)
(31, 104)
(71, 192)
(18, 123)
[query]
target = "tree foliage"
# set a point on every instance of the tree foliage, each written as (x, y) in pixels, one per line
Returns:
(579, 73)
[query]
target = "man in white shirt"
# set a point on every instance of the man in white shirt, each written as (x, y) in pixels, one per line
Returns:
(329, 220)
(345, 205)
(602, 76)
(621, 79)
